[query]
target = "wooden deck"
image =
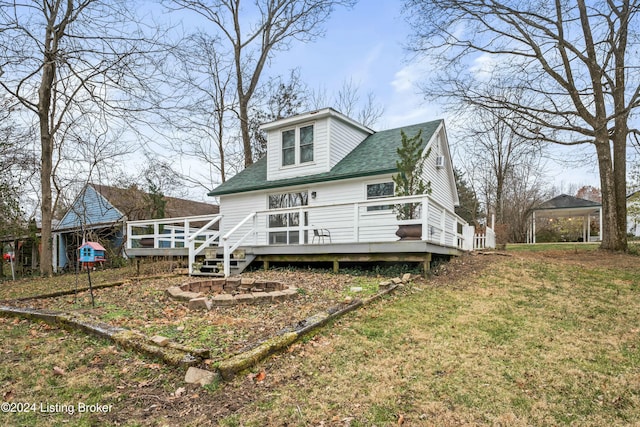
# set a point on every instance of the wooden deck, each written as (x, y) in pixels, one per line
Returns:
(357, 234)
(400, 251)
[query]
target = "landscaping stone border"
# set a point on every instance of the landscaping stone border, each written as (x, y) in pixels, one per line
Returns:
(179, 355)
(231, 291)
(169, 352)
(228, 368)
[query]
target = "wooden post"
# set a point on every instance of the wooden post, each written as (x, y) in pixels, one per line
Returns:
(265, 265)
(336, 265)
(426, 265)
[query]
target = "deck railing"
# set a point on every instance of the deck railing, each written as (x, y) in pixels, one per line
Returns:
(484, 240)
(173, 233)
(349, 222)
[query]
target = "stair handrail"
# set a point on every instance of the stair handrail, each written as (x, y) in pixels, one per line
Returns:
(204, 228)
(228, 250)
(193, 251)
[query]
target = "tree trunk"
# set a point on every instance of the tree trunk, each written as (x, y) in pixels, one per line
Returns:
(244, 128)
(620, 181)
(611, 236)
(46, 141)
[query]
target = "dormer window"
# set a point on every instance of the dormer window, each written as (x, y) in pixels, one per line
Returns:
(297, 145)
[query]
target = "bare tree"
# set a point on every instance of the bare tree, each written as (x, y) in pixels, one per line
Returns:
(276, 25)
(348, 101)
(589, 192)
(277, 99)
(524, 190)
(206, 116)
(575, 63)
(64, 60)
(13, 162)
(495, 154)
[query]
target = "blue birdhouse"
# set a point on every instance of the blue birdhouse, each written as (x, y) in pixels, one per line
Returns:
(91, 253)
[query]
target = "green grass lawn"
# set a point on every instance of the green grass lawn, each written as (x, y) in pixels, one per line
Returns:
(541, 247)
(530, 338)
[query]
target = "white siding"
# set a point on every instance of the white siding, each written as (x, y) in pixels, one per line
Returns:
(338, 213)
(320, 163)
(343, 139)
(374, 226)
(333, 140)
(234, 208)
(442, 189)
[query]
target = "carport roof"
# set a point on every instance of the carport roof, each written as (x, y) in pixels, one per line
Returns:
(565, 205)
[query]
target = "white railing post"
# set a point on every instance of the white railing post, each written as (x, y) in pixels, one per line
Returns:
(425, 218)
(156, 232)
(128, 236)
(300, 227)
(187, 231)
(356, 222)
(191, 244)
(255, 229)
(226, 264)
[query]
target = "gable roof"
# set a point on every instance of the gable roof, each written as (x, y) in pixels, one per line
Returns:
(567, 206)
(93, 245)
(565, 201)
(315, 115)
(135, 203)
(104, 204)
(375, 155)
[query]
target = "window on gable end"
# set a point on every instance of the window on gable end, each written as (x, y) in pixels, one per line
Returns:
(306, 144)
(288, 147)
(297, 145)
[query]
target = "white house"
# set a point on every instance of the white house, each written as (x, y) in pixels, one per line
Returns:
(324, 192)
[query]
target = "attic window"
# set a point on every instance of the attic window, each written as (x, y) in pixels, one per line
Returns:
(297, 144)
(288, 147)
(306, 144)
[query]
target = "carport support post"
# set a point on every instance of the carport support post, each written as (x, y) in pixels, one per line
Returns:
(534, 228)
(600, 230)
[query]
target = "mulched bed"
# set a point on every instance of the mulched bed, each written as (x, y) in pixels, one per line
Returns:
(144, 306)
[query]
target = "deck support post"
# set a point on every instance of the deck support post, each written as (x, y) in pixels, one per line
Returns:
(336, 265)
(265, 265)
(426, 265)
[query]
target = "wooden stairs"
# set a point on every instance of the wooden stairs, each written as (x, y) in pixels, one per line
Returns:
(213, 263)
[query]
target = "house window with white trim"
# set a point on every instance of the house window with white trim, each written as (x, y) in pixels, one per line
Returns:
(288, 147)
(297, 145)
(380, 190)
(283, 227)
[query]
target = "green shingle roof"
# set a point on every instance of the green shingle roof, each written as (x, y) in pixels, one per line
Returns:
(375, 155)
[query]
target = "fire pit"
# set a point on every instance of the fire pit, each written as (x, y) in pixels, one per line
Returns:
(205, 294)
